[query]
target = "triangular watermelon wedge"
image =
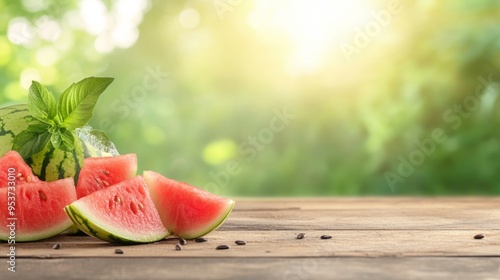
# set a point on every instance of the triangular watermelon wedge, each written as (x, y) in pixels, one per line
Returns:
(122, 213)
(186, 211)
(38, 209)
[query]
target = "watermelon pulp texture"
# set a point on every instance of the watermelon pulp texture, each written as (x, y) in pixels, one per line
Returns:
(122, 213)
(23, 173)
(50, 164)
(99, 173)
(186, 211)
(38, 209)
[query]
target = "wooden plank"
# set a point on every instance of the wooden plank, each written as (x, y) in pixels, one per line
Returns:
(345, 243)
(256, 268)
(368, 213)
(365, 219)
(360, 226)
(348, 203)
(373, 238)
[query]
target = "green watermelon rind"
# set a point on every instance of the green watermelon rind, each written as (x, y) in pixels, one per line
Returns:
(73, 230)
(151, 179)
(49, 164)
(56, 230)
(209, 228)
(90, 224)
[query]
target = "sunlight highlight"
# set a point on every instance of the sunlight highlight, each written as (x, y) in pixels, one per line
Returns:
(313, 27)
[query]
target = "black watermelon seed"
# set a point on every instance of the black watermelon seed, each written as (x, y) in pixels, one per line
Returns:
(479, 236)
(56, 246)
(118, 251)
(200, 240)
(182, 241)
(301, 235)
(178, 247)
(222, 247)
(240, 242)
(326, 237)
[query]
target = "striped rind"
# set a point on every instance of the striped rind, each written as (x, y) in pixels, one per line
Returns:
(13, 120)
(49, 164)
(90, 228)
(79, 217)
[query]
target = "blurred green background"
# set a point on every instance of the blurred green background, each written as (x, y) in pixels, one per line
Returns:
(279, 98)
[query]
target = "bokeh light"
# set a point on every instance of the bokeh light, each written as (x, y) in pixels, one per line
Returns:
(320, 97)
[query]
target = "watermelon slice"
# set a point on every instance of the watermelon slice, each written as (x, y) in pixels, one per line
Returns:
(12, 160)
(101, 172)
(37, 211)
(187, 211)
(122, 213)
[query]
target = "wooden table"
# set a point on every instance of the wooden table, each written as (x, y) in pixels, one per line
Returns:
(373, 238)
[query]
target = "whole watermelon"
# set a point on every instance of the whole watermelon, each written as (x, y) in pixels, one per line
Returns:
(50, 164)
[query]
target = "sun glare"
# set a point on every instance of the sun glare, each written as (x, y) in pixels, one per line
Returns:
(312, 27)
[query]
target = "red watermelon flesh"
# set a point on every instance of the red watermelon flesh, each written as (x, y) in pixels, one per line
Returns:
(38, 209)
(101, 172)
(123, 212)
(12, 160)
(186, 211)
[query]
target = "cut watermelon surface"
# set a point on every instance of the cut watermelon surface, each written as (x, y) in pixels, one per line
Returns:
(122, 213)
(38, 209)
(186, 211)
(13, 163)
(101, 172)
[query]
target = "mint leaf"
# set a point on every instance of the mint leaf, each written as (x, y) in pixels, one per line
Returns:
(41, 103)
(63, 140)
(28, 143)
(96, 138)
(77, 102)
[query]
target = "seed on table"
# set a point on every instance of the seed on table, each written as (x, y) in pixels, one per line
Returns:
(222, 247)
(118, 251)
(240, 242)
(301, 235)
(56, 246)
(178, 247)
(479, 236)
(182, 241)
(326, 237)
(200, 240)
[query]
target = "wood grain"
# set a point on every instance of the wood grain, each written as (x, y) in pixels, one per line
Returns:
(416, 237)
(345, 243)
(390, 268)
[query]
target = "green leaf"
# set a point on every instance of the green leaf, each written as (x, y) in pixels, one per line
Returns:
(97, 138)
(77, 102)
(38, 127)
(28, 143)
(41, 103)
(67, 141)
(55, 139)
(63, 140)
